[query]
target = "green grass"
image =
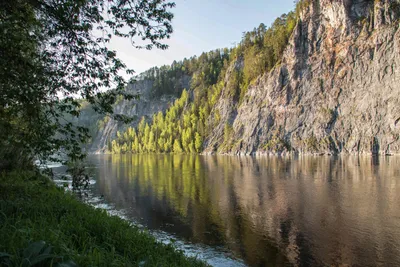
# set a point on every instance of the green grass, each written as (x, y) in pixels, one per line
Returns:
(33, 209)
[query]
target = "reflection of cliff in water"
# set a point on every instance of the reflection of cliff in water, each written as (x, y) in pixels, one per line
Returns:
(316, 210)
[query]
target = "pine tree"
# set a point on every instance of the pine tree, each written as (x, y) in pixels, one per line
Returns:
(198, 142)
(152, 144)
(177, 148)
(161, 144)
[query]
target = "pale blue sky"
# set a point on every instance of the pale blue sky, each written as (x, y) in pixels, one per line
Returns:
(201, 26)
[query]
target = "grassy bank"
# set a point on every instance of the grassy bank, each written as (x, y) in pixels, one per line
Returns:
(33, 209)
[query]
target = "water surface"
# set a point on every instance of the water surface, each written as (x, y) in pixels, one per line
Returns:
(265, 211)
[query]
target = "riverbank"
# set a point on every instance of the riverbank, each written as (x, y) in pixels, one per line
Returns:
(33, 209)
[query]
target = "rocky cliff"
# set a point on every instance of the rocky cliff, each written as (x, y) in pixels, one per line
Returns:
(336, 89)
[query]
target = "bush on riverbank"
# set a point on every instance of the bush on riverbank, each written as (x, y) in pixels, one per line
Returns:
(33, 209)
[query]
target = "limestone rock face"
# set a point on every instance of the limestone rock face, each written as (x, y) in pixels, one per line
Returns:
(337, 89)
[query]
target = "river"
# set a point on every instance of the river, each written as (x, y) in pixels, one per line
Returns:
(260, 211)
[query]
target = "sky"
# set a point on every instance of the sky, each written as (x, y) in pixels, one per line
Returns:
(201, 26)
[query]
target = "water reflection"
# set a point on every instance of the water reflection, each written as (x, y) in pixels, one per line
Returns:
(266, 211)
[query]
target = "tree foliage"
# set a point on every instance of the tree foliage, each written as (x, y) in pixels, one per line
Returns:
(183, 127)
(53, 51)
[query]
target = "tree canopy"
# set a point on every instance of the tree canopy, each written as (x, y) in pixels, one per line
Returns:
(53, 52)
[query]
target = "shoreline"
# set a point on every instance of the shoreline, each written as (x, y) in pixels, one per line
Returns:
(265, 154)
(34, 210)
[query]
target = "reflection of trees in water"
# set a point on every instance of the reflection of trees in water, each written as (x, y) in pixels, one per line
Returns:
(315, 209)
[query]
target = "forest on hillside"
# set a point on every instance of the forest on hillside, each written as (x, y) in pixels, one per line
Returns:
(185, 125)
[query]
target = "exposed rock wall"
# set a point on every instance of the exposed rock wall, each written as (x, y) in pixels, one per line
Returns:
(337, 89)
